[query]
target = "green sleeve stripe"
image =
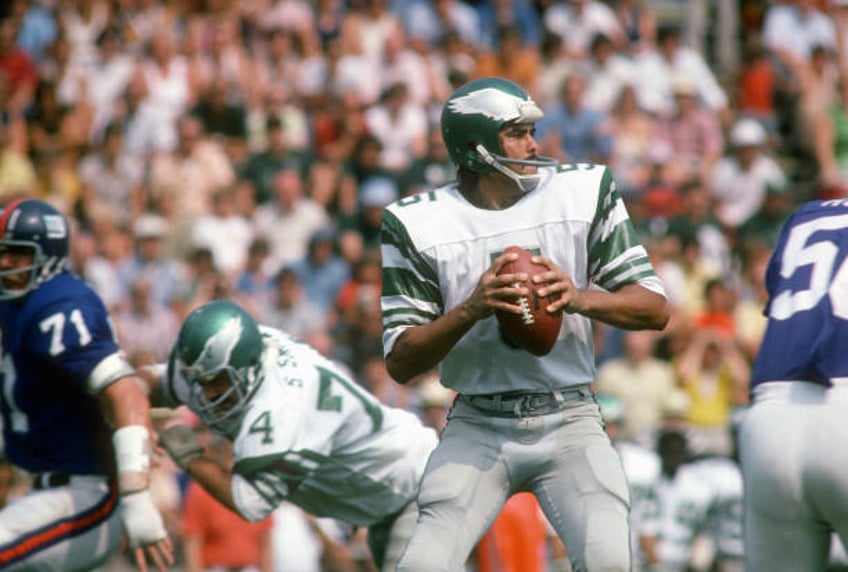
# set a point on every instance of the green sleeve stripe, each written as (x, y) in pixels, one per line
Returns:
(424, 315)
(626, 275)
(393, 235)
(615, 246)
(270, 494)
(402, 282)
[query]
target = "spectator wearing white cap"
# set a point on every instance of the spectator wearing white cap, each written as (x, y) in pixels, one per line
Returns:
(165, 275)
(740, 179)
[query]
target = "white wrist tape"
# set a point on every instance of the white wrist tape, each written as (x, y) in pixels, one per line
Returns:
(141, 519)
(132, 449)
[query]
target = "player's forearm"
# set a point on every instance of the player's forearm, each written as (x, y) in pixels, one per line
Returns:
(129, 413)
(421, 348)
(630, 308)
(217, 480)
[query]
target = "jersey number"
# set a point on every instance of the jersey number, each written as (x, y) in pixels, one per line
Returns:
(328, 401)
(55, 324)
(821, 256)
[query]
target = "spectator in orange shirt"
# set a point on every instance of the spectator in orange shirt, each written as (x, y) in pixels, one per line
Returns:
(516, 542)
(511, 59)
(214, 538)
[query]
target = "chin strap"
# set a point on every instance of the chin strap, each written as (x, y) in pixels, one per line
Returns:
(525, 182)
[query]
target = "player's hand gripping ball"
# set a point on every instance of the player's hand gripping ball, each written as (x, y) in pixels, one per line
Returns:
(534, 330)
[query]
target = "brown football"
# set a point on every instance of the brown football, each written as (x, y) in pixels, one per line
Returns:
(535, 330)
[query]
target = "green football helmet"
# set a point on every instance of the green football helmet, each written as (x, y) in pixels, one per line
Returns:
(471, 119)
(218, 353)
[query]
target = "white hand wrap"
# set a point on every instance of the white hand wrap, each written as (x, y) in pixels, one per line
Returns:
(181, 443)
(132, 450)
(142, 521)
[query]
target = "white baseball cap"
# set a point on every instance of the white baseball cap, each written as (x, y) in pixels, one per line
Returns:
(748, 132)
(150, 226)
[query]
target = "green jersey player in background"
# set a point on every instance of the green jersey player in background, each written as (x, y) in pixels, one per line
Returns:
(302, 429)
(520, 422)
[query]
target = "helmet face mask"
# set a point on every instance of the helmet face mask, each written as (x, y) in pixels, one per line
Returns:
(218, 354)
(472, 119)
(34, 246)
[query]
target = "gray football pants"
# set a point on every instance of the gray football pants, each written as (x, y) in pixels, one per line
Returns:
(564, 458)
(792, 444)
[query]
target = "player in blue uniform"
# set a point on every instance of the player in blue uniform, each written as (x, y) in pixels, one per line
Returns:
(73, 414)
(794, 438)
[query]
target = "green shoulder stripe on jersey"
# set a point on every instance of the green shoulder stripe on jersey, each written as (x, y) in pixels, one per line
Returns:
(393, 233)
(401, 282)
(607, 195)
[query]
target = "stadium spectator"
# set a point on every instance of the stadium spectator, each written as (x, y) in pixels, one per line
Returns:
(111, 178)
(253, 280)
(639, 22)
(510, 58)
(658, 68)
(17, 68)
(572, 130)
(150, 261)
(714, 373)
(692, 134)
(740, 180)
(641, 382)
(321, 270)
(287, 307)
(143, 326)
(576, 22)
(182, 182)
(289, 219)
(635, 134)
(607, 73)
(107, 78)
(400, 124)
(222, 112)
(360, 231)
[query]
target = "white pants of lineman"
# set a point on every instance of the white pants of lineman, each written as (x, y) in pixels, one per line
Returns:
(75, 526)
(563, 457)
(794, 455)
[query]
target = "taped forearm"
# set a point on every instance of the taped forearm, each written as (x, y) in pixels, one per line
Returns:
(132, 452)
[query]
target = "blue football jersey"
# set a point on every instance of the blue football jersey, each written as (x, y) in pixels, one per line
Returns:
(807, 308)
(52, 340)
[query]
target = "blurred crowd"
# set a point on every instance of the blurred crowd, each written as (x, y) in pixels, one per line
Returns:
(209, 149)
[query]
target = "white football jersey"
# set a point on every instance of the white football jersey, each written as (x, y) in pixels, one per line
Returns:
(725, 523)
(684, 505)
(313, 436)
(643, 470)
(436, 245)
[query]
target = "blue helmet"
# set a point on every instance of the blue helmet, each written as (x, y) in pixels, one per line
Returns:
(43, 230)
